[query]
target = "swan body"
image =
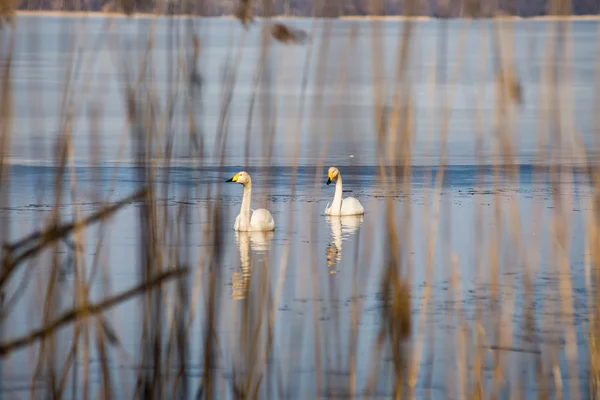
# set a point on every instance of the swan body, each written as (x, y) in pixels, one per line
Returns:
(339, 206)
(260, 219)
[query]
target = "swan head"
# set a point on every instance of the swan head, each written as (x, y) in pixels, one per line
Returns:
(241, 177)
(332, 174)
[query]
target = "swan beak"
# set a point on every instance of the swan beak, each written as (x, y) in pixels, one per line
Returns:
(233, 179)
(328, 180)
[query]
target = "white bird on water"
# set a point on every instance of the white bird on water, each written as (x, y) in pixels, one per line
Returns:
(339, 206)
(261, 219)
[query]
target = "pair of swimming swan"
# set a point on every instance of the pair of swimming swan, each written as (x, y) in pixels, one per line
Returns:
(262, 220)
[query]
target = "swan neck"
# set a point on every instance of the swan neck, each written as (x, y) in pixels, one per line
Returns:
(337, 197)
(245, 210)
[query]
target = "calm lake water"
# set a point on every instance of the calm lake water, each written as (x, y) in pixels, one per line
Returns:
(45, 48)
(322, 250)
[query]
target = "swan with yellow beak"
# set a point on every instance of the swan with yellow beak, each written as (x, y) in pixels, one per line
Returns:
(260, 219)
(339, 206)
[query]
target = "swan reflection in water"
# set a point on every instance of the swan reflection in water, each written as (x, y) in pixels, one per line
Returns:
(341, 229)
(257, 241)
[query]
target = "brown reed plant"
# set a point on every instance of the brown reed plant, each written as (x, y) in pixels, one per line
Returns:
(181, 347)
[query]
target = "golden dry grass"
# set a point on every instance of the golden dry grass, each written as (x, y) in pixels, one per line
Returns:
(168, 310)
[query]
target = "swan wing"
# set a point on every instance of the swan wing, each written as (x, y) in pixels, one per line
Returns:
(262, 220)
(351, 206)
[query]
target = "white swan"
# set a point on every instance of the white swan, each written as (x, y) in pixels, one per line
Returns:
(261, 219)
(339, 206)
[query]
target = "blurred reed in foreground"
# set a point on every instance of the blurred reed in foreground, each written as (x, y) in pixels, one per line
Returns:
(173, 294)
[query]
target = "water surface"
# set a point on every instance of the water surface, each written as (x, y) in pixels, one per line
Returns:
(332, 264)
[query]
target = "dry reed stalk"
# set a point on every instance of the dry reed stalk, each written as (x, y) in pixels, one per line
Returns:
(496, 234)
(297, 134)
(426, 223)
(562, 222)
(6, 135)
(478, 357)
(175, 315)
(40, 240)
(80, 295)
(380, 115)
(432, 228)
(268, 351)
(592, 261)
(6, 126)
(135, 87)
(250, 361)
(593, 255)
(543, 139)
(505, 128)
(199, 148)
(318, 105)
(36, 105)
(86, 310)
(397, 297)
(402, 124)
(47, 353)
(341, 84)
